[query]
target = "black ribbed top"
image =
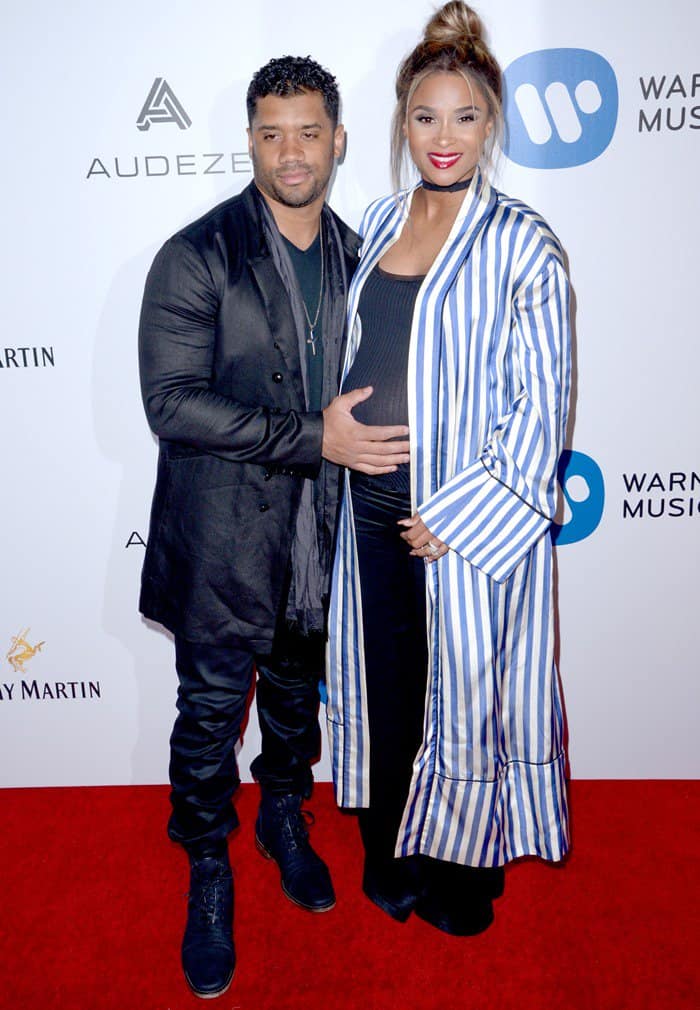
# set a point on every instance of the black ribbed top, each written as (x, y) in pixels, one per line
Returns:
(386, 310)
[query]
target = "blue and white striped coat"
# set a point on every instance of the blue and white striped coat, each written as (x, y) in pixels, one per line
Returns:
(488, 383)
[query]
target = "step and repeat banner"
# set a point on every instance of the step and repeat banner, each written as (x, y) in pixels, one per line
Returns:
(121, 123)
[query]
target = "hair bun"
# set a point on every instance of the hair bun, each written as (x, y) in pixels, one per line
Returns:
(454, 26)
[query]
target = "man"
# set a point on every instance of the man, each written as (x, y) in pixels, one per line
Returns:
(240, 345)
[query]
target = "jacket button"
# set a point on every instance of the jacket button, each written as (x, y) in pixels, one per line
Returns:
(263, 507)
(276, 376)
(266, 475)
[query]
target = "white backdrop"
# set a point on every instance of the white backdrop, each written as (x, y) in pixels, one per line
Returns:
(88, 199)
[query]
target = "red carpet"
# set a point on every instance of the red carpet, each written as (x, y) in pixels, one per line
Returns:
(93, 903)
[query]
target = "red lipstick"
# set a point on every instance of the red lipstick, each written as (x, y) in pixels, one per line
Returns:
(443, 161)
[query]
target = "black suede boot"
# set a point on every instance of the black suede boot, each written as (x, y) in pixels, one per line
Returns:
(394, 885)
(281, 834)
(208, 954)
(458, 899)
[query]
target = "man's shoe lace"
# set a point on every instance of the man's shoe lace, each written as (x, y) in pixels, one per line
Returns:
(212, 897)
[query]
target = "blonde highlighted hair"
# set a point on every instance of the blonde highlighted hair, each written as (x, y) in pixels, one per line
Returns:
(453, 42)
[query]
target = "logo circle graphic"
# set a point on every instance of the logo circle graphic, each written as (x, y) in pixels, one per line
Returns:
(588, 97)
(583, 487)
(560, 107)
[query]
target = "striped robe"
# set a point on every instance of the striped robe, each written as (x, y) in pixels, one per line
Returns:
(488, 383)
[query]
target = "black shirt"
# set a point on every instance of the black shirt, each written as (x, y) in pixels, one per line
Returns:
(307, 267)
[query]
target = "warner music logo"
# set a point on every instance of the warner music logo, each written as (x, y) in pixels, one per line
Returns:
(561, 108)
(583, 494)
(667, 103)
(162, 106)
(651, 494)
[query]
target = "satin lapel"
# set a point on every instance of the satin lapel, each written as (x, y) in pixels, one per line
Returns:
(477, 207)
(427, 334)
(279, 316)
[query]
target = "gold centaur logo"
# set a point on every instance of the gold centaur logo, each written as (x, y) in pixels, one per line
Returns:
(21, 651)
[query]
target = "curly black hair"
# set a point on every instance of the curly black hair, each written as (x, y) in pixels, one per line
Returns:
(293, 75)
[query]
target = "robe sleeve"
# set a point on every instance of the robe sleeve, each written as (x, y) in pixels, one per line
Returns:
(495, 510)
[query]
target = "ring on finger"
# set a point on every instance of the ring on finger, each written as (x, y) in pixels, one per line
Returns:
(433, 548)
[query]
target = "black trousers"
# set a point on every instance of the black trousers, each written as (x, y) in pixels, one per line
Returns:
(215, 683)
(396, 660)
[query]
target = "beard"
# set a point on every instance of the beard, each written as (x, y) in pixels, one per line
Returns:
(300, 195)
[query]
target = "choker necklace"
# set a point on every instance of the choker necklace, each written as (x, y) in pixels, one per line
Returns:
(454, 188)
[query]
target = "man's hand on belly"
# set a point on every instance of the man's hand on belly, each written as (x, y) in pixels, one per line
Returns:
(364, 447)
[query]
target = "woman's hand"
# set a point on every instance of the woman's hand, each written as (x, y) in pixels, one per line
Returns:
(421, 541)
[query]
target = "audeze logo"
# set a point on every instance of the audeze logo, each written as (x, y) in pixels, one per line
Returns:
(582, 485)
(162, 106)
(561, 108)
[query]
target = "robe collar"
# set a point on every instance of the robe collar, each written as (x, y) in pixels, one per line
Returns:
(476, 208)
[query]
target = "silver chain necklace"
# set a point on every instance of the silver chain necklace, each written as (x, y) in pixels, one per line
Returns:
(311, 339)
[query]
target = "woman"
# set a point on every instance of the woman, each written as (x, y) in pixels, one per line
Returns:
(444, 708)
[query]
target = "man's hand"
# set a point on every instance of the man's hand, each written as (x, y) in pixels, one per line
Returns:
(359, 446)
(421, 541)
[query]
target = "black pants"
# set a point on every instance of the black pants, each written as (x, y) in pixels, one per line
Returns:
(396, 660)
(214, 686)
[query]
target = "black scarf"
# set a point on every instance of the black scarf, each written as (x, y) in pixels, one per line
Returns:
(311, 547)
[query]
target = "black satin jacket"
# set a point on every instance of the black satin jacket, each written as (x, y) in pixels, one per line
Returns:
(222, 388)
